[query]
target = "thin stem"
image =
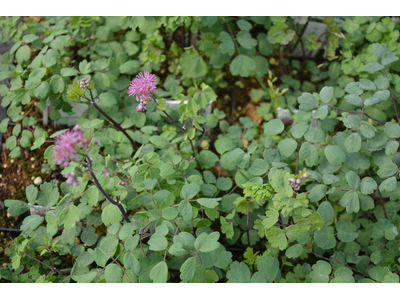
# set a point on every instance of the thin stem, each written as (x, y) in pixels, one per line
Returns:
(111, 120)
(97, 183)
(233, 37)
(382, 202)
(247, 226)
(380, 196)
(181, 128)
(393, 98)
(52, 269)
(357, 113)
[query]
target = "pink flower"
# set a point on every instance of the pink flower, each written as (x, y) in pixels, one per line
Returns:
(141, 108)
(65, 145)
(72, 179)
(142, 86)
(64, 150)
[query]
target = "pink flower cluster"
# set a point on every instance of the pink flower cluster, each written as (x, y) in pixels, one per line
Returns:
(142, 87)
(65, 145)
(295, 183)
(72, 179)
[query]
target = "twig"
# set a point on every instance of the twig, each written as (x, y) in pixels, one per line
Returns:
(97, 183)
(356, 113)
(111, 120)
(393, 98)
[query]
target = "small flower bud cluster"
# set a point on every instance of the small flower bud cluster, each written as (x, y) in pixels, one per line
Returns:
(72, 179)
(296, 182)
(84, 83)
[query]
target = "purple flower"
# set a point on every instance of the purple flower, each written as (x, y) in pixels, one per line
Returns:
(72, 179)
(84, 83)
(305, 175)
(142, 86)
(106, 173)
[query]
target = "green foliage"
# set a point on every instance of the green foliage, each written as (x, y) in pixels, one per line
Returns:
(184, 210)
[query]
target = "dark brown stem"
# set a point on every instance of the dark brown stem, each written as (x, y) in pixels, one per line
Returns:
(380, 196)
(393, 98)
(233, 37)
(111, 120)
(247, 226)
(51, 268)
(97, 183)
(180, 127)
(356, 113)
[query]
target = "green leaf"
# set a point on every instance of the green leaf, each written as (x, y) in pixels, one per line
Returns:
(48, 196)
(207, 242)
(238, 273)
(280, 34)
(326, 94)
(16, 207)
(352, 179)
(307, 102)
(67, 72)
(271, 219)
(69, 216)
(245, 40)
(368, 185)
(31, 193)
(388, 185)
(373, 67)
(113, 273)
(392, 130)
(274, 127)
(258, 167)
(277, 238)
(209, 202)
(242, 65)
(227, 46)
(335, 155)
(317, 192)
(320, 272)
(326, 212)
(294, 251)
(23, 54)
(57, 84)
(192, 64)
(224, 183)
(188, 269)
(111, 214)
(190, 190)
(346, 231)
(131, 263)
(353, 143)
(287, 147)
(324, 238)
(159, 273)
(387, 170)
(351, 201)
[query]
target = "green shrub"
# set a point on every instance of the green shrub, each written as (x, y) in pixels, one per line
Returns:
(313, 201)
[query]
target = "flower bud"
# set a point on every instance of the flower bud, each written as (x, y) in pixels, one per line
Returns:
(298, 181)
(84, 83)
(305, 175)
